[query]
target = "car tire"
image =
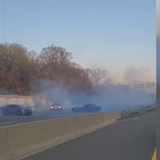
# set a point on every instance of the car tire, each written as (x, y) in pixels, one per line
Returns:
(19, 113)
(74, 110)
(2, 112)
(27, 114)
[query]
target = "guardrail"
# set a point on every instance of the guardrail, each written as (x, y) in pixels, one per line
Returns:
(129, 112)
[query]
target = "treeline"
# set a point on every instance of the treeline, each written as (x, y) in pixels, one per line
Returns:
(21, 71)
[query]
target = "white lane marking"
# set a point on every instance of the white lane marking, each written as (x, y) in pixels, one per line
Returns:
(8, 122)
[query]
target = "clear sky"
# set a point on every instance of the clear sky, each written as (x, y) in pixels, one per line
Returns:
(108, 34)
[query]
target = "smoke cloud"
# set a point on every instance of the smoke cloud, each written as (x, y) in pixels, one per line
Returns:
(110, 97)
(131, 74)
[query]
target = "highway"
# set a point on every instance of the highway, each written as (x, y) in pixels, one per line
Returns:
(133, 139)
(36, 116)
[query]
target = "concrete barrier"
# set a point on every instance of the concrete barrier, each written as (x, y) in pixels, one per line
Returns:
(4, 151)
(109, 118)
(22, 140)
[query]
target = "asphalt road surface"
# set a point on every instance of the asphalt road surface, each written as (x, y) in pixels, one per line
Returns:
(133, 139)
(36, 116)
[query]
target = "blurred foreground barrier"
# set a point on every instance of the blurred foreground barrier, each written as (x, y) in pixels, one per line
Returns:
(22, 140)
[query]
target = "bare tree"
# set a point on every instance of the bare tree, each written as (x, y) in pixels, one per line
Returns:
(14, 68)
(21, 69)
(55, 64)
(98, 76)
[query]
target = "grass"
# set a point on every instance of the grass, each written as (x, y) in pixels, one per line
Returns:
(140, 113)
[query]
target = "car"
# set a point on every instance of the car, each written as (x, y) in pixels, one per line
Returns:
(14, 109)
(88, 108)
(56, 107)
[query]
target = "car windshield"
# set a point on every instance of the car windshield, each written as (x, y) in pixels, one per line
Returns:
(55, 104)
(88, 105)
(17, 106)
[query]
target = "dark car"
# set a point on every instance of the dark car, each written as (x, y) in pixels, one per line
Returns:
(56, 107)
(89, 108)
(14, 109)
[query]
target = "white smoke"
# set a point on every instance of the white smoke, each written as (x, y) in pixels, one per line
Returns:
(103, 96)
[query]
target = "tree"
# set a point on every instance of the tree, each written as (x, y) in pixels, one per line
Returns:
(55, 64)
(14, 68)
(54, 59)
(22, 71)
(98, 76)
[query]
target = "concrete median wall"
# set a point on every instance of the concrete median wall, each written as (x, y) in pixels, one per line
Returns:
(19, 141)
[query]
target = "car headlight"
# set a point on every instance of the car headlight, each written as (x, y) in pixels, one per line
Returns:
(60, 107)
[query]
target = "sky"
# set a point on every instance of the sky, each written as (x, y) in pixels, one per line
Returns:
(116, 35)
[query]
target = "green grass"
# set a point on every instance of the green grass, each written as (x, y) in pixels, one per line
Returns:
(141, 113)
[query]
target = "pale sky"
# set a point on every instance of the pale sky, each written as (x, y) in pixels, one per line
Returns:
(107, 34)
